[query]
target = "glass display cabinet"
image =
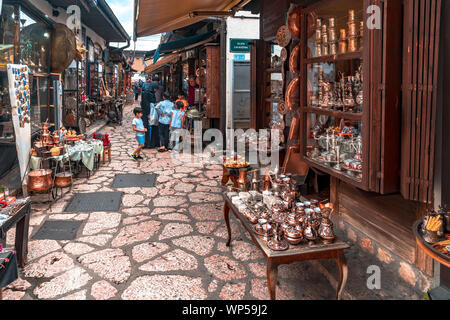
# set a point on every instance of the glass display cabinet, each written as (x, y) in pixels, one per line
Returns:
(349, 98)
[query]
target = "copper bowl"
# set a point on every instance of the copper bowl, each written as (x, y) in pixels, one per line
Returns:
(63, 180)
(40, 180)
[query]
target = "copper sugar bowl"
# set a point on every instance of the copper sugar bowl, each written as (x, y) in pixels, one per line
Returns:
(40, 180)
(294, 235)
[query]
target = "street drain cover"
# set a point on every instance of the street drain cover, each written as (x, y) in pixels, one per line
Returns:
(134, 180)
(95, 202)
(58, 230)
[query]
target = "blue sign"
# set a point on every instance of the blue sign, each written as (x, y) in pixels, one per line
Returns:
(239, 57)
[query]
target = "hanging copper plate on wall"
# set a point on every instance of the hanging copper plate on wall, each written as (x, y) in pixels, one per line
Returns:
(283, 36)
(294, 62)
(293, 22)
(293, 95)
(64, 47)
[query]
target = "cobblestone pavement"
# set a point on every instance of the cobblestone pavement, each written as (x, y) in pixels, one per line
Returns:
(166, 242)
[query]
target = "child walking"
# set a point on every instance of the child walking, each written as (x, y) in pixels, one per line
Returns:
(175, 121)
(138, 127)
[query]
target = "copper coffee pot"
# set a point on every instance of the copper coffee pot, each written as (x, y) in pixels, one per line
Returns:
(56, 138)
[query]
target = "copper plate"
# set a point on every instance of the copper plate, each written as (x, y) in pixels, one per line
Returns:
(294, 62)
(293, 94)
(283, 36)
(282, 109)
(293, 23)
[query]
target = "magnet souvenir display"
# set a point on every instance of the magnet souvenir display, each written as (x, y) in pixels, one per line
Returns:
(20, 87)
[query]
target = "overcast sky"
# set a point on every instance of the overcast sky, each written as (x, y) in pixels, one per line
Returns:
(124, 11)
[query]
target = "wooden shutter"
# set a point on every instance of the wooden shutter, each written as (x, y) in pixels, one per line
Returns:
(420, 71)
(383, 71)
(213, 81)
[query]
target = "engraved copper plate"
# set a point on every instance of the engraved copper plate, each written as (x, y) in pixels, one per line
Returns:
(283, 36)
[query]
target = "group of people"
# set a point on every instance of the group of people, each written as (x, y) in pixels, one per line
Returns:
(156, 121)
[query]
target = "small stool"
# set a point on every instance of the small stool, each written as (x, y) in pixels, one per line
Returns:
(107, 150)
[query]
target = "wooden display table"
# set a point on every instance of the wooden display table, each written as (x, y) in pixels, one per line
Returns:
(303, 252)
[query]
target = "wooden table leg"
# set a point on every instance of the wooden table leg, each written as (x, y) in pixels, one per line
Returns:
(343, 274)
(21, 242)
(226, 213)
(235, 182)
(272, 276)
(226, 176)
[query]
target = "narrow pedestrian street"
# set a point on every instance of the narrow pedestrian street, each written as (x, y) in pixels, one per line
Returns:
(166, 242)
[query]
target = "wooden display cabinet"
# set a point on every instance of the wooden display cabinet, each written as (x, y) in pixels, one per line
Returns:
(372, 69)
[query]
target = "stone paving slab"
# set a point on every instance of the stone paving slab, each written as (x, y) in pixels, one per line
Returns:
(134, 180)
(57, 230)
(95, 202)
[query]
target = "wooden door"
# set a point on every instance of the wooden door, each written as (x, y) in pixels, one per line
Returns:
(213, 81)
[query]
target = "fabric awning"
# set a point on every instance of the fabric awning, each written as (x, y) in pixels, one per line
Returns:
(158, 16)
(185, 43)
(161, 63)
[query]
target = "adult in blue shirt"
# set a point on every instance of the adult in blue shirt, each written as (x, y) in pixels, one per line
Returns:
(148, 98)
(164, 109)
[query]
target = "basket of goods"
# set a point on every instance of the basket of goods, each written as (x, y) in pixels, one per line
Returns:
(432, 229)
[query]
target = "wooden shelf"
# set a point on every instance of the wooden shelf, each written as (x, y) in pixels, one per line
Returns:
(336, 114)
(274, 70)
(337, 57)
(274, 100)
(332, 172)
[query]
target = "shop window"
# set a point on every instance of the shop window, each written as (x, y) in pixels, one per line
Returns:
(7, 31)
(35, 44)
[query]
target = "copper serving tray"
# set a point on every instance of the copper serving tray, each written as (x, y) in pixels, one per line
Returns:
(293, 94)
(294, 62)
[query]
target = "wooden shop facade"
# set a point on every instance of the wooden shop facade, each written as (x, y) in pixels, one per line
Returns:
(359, 88)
